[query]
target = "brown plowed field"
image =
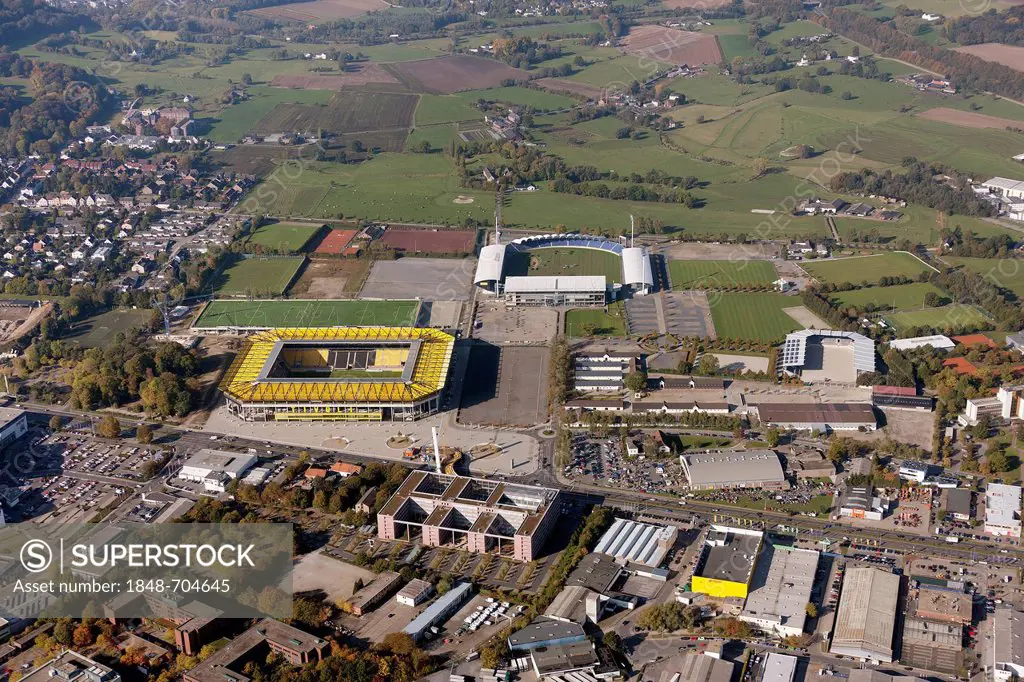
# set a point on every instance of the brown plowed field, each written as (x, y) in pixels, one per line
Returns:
(319, 10)
(429, 241)
(1007, 55)
(362, 74)
(455, 73)
(672, 46)
(969, 119)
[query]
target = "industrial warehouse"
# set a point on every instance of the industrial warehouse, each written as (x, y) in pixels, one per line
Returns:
(474, 514)
(642, 543)
(866, 619)
(734, 469)
(726, 563)
(339, 374)
(820, 417)
(780, 590)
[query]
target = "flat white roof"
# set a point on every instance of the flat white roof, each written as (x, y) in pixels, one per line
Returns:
(936, 341)
(1002, 504)
(231, 463)
(555, 284)
(779, 667)
(1004, 184)
(781, 586)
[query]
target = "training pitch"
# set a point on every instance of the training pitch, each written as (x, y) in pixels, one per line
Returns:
(299, 313)
(719, 274)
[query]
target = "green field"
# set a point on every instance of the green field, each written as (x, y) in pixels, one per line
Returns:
(866, 268)
(235, 121)
(99, 331)
(753, 316)
(955, 317)
(255, 276)
(895, 298)
(564, 261)
(1006, 273)
(284, 237)
(612, 323)
(719, 274)
(305, 313)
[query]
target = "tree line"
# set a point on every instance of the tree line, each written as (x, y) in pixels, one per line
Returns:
(991, 27)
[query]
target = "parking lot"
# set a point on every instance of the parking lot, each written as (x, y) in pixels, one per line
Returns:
(69, 452)
(520, 374)
(497, 324)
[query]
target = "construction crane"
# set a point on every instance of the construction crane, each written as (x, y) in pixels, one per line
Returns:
(445, 457)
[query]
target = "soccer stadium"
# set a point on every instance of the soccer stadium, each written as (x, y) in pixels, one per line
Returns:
(339, 374)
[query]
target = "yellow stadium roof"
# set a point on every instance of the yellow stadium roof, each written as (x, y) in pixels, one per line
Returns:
(245, 380)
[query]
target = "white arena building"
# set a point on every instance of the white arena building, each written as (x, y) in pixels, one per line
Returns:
(818, 355)
(637, 273)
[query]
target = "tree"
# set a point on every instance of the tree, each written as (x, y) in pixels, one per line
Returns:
(82, 636)
(444, 584)
(613, 641)
(636, 382)
(812, 610)
(772, 437)
(109, 427)
(760, 166)
(144, 434)
(56, 422)
(708, 364)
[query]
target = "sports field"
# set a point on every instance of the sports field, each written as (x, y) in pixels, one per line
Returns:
(753, 316)
(1006, 273)
(99, 331)
(563, 261)
(256, 276)
(894, 298)
(867, 268)
(305, 313)
(719, 274)
(284, 237)
(955, 317)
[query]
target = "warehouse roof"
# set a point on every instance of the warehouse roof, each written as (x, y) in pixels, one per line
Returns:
(554, 284)
(643, 543)
(570, 604)
(437, 609)
(867, 614)
(781, 586)
(816, 413)
(549, 660)
(544, 631)
(779, 668)
(729, 554)
(231, 463)
(958, 501)
(597, 572)
(735, 467)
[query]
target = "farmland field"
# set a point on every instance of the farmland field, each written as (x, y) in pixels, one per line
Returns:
(753, 316)
(319, 10)
(715, 274)
(1007, 55)
(1006, 273)
(283, 237)
(354, 74)
(895, 298)
(866, 268)
(564, 261)
(612, 323)
(305, 313)
(956, 317)
(259, 276)
(455, 73)
(672, 45)
(347, 112)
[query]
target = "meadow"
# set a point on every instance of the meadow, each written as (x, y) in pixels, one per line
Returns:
(258, 276)
(954, 317)
(612, 323)
(234, 122)
(299, 313)
(283, 237)
(866, 268)
(1007, 273)
(99, 331)
(753, 316)
(894, 298)
(718, 274)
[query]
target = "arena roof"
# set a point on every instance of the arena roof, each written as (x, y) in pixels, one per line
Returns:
(732, 468)
(936, 341)
(636, 267)
(247, 381)
(555, 284)
(571, 240)
(794, 351)
(490, 264)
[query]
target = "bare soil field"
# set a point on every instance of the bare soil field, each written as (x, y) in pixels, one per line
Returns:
(319, 10)
(1007, 55)
(805, 317)
(662, 44)
(350, 113)
(455, 73)
(707, 251)
(332, 278)
(353, 76)
(571, 87)
(969, 119)
(431, 241)
(696, 4)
